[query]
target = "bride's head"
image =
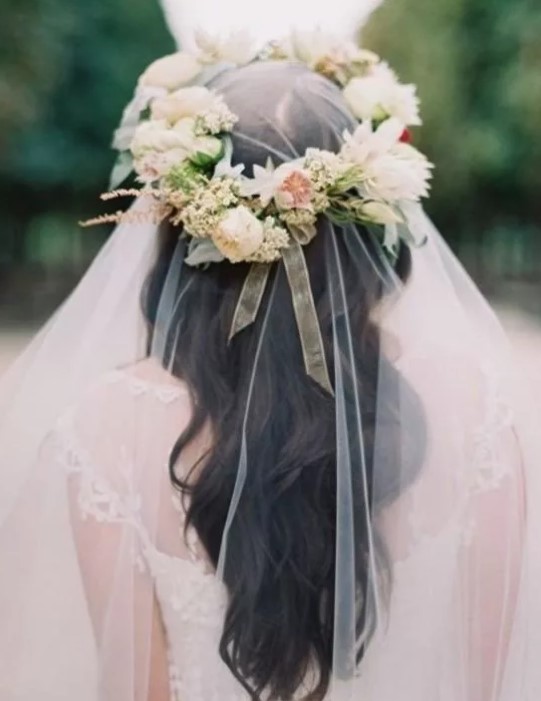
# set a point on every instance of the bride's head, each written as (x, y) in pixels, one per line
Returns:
(280, 566)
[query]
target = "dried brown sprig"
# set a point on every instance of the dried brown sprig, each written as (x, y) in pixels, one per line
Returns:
(130, 192)
(155, 213)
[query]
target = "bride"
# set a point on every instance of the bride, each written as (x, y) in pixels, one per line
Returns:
(274, 446)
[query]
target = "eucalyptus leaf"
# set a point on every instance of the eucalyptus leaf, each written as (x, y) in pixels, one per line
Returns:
(121, 170)
(391, 238)
(132, 115)
(415, 230)
(203, 252)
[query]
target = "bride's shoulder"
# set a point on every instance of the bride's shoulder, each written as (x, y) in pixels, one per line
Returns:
(129, 404)
(145, 379)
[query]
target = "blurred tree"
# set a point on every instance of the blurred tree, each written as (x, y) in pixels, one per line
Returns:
(478, 67)
(33, 40)
(70, 72)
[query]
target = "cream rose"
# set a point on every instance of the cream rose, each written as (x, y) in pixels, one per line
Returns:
(239, 234)
(171, 72)
(186, 102)
(157, 135)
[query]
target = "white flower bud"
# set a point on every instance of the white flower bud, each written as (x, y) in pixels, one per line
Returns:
(206, 150)
(380, 213)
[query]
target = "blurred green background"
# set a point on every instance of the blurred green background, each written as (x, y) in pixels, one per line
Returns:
(67, 70)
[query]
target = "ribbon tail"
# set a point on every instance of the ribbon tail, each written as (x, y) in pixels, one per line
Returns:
(306, 316)
(250, 298)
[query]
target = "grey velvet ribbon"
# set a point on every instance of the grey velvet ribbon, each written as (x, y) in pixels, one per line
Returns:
(303, 305)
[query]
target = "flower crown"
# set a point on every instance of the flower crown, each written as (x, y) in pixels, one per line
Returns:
(175, 135)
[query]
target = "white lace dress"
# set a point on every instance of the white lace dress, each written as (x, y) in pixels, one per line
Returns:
(115, 447)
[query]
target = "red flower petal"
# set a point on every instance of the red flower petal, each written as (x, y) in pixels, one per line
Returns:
(406, 137)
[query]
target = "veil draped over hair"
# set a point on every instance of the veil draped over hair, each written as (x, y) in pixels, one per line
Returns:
(423, 468)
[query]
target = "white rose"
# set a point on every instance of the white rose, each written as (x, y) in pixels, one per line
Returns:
(171, 72)
(186, 102)
(239, 234)
(380, 95)
(157, 135)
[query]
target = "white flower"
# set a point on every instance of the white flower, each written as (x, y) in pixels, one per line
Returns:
(391, 170)
(267, 181)
(156, 135)
(225, 169)
(311, 47)
(238, 48)
(153, 165)
(171, 72)
(186, 102)
(379, 96)
(239, 234)
(365, 143)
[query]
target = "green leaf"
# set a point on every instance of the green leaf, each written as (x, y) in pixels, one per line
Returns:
(203, 252)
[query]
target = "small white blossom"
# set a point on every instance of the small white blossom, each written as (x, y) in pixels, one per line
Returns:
(276, 238)
(324, 167)
(208, 206)
(171, 72)
(217, 119)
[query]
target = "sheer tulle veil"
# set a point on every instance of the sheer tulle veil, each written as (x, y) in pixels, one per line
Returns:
(437, 486)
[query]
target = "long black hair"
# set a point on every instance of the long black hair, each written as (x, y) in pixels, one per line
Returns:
(280, 564)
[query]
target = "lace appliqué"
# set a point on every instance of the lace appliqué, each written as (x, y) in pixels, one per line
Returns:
(491, 462)
(164, 393)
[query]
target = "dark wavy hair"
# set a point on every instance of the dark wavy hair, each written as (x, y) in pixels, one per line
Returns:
(280, 564)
